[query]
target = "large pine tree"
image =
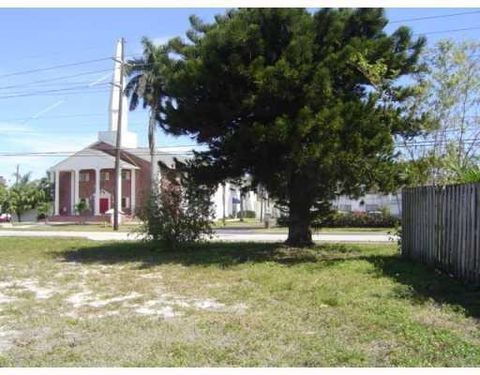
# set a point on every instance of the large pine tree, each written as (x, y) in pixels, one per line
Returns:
(306, 103)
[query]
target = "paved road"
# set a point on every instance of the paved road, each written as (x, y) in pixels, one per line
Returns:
(229, 236)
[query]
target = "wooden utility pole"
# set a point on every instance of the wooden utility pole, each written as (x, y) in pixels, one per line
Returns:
(17, 175)
(224, 203)
(118, 171)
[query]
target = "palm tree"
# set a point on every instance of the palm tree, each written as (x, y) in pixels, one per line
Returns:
(147, 85)
(24, 195)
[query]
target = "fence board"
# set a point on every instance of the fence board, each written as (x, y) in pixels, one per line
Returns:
(441, 228)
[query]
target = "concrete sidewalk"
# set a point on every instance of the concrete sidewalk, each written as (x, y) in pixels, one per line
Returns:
(228, 237)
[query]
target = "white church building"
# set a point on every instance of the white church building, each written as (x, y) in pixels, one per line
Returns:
(89, 175)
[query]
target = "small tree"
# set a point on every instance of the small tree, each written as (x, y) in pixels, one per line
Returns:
(468, 175)
(181, 212)
(44, 209)
(24, 195)
(451, 93)
(3, 197)
(81, 208)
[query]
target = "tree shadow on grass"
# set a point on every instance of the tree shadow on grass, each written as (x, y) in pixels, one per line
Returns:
(424, 283)
(420, 282)
(221, 254)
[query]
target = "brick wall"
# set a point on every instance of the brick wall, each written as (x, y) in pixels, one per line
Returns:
(65, 194)
(142, 175)
(87, 189)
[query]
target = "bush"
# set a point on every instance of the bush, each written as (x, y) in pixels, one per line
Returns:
(354, 219)
(181, 213)
(358, 219)
(282, 221)
(247, 214)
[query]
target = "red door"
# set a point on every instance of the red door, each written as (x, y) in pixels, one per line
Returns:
(103, 205)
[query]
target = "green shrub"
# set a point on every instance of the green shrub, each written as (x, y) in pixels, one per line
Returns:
(247, 214)
(358, 219)
(353, 219)
(180, 214)
(282, 221)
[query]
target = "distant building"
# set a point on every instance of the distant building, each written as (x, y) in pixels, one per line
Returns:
(89, 174)
(370, 202)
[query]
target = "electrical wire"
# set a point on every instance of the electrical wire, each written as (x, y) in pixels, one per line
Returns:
(56, 117)
(55, 79)
(70, 90)
(23, 72)
(74, 154)
(448, 31)
(434, 17)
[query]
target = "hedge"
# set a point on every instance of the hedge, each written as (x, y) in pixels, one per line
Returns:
(356, 219)
(247, 214)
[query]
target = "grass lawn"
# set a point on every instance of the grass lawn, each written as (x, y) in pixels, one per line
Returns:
(83, 303)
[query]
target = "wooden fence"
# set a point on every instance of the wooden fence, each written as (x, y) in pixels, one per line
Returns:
(441, 228)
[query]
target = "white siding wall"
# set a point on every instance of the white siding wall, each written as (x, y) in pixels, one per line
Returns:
(393, 202)
(250, 203)
(28, 216)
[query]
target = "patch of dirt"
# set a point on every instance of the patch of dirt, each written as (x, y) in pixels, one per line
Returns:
(156, 308)
(83, 301)
(441, 319)
(6, 299)
(87, 298)
(7, 338)
(30, 285)
(150, 276)
(380, 350)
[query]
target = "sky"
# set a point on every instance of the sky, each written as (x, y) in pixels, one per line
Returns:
(34, 117)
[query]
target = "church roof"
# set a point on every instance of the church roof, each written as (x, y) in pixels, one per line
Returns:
(101, 155)
(91, 158)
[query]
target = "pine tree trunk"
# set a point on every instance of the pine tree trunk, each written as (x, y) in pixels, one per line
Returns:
(299, 233)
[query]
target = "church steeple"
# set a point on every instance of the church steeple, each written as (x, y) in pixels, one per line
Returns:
(129, 139)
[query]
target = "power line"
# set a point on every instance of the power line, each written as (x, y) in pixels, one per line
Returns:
(434, 17)
(62, 93)
(433, 143)
(55, 79)
(90, 153)
(448, 31)
(56, 117)
(74, 154)
(54, 67)
(59, 85)
(57, 52)
(56, 91)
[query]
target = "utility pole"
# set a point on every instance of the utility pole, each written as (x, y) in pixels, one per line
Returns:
(118, 172)
(224, 202)
(260, 192)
